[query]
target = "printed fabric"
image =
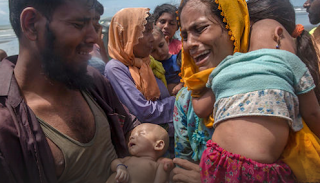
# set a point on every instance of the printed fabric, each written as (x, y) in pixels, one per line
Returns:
(267, 81)
(175, 46)
(191, 134)
(302, 154)
(219, 165)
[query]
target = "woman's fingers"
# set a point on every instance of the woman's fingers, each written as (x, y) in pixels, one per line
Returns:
(189, 173)
(186, 164)
(186, 176)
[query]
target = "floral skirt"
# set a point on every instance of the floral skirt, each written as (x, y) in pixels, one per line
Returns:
(219, 165)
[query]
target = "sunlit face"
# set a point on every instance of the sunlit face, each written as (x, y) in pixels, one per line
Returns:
(67, 41)
(160, 49)
(142, 141)
(313, 8)
(203, 36)
(168, 24)
(144, 47)
(75, 27)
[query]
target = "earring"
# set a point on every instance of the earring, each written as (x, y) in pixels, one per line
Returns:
(278, 44)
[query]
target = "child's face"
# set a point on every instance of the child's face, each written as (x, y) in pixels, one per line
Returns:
(142, 141)
(160, 49)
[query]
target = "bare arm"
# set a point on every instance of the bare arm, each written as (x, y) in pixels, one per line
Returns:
(310, 111)
(203, 106)
(121, 169)
(161, 175)
(176, 88)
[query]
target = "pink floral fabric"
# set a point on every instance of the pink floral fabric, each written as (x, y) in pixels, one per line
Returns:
(219, 165)
(174, 46)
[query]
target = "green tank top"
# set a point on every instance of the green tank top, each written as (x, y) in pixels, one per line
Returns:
(85, 162)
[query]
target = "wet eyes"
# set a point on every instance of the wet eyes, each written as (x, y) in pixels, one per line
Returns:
(97, 27)
(196, 31)
(78, 25)
(200, 29)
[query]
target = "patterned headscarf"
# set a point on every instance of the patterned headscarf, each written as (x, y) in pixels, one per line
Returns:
(236, 17)
(126, 27)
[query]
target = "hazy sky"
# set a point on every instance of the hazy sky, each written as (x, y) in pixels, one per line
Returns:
(110, 7)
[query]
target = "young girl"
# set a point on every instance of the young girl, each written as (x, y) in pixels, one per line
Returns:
(258, 96)
(165, 18)
(169, 61)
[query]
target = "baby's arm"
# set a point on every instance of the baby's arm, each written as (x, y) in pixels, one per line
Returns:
(310, 111)
(161, 175)
(121, 169)
(203, 106)
(176, 88)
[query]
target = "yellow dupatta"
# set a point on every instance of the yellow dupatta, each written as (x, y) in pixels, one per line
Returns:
(236, 18)
(302, 154)
(126, 27)
(158, 70)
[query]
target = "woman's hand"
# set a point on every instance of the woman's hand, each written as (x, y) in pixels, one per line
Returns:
(167, 164)
(188, 173)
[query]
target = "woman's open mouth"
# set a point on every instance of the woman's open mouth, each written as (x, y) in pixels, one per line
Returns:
(201, 58)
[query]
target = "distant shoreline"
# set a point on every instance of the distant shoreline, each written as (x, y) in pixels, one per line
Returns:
(10, 44)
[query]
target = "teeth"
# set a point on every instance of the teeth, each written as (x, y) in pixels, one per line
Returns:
(83, 53)
(203, 53)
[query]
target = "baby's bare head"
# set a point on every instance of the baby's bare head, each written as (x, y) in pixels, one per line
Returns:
(269, 33)
(147, 139)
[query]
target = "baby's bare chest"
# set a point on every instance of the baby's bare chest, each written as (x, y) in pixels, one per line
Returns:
(142, 170)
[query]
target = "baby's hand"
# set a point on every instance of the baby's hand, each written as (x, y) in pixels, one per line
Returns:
(122, 174)
(177, 88)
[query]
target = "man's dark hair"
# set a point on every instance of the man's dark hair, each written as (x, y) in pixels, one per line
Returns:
(45, 7)
(99, 8)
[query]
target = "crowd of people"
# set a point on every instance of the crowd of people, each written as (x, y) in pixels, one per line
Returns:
(234, 99)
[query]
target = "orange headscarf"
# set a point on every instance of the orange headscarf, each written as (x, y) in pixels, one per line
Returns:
(236, 18)
(126, 27)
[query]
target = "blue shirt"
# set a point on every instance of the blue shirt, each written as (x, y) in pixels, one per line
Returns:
(172, 69)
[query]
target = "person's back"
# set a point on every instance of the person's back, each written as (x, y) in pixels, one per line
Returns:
(271, 128)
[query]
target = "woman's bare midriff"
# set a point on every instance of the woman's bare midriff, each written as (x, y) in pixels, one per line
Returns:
(261, 139)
